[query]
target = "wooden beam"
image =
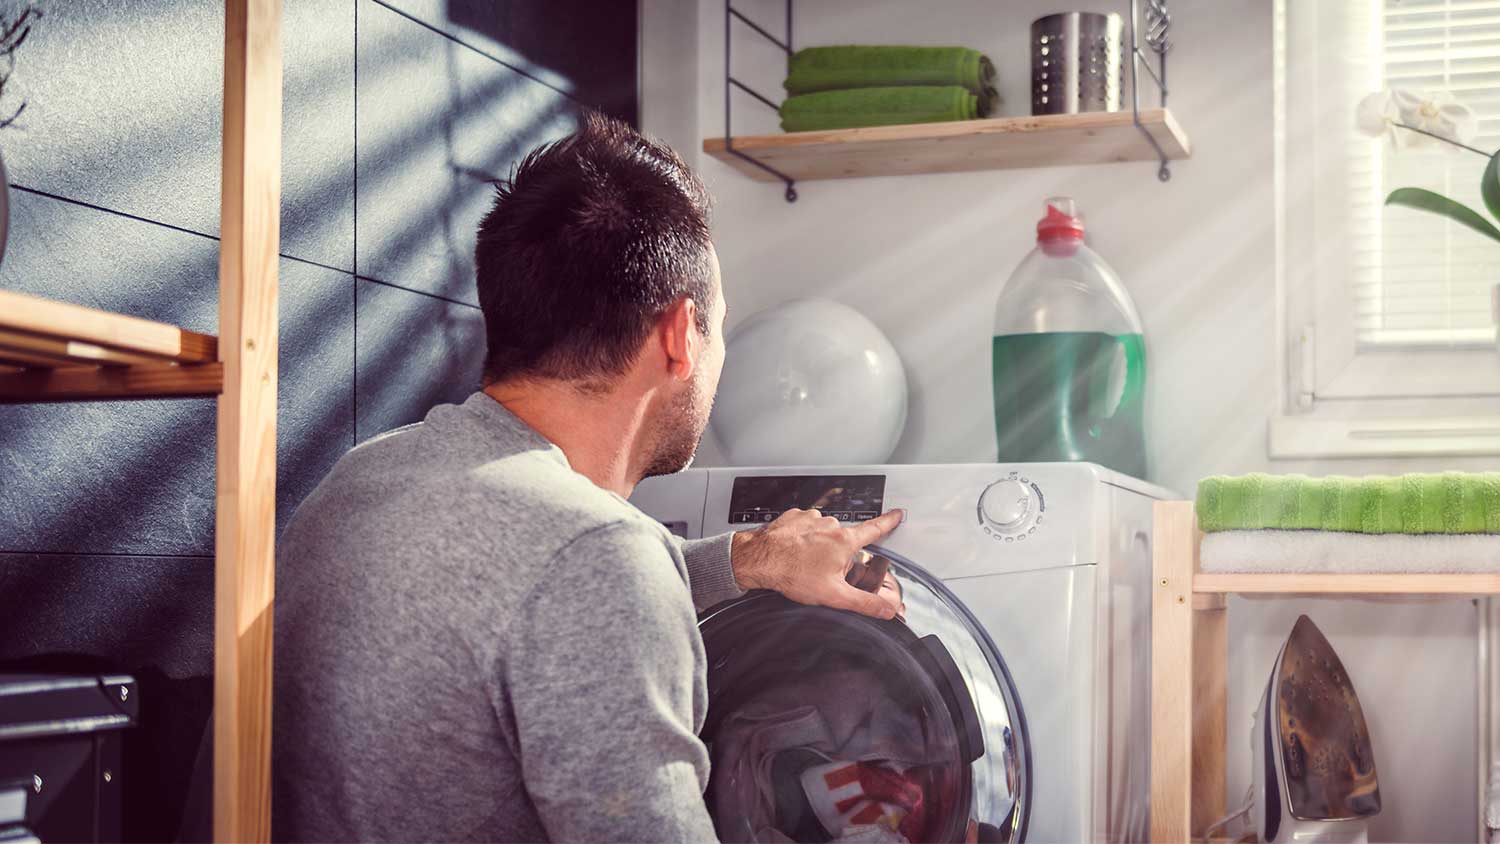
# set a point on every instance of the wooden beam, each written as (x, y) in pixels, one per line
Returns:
(1210, 715)
(957, 146)
(1172, 727)
(98, 383)
(31, 360)
(36, 315)
(1349, 584)
(68, 352)
(245, 522)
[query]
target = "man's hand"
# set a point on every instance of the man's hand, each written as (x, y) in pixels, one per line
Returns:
(805, 556)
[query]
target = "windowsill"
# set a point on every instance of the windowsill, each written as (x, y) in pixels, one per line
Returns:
(1416, 374)
(1295, 437)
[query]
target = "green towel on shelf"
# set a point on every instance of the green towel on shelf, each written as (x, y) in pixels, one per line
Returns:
(879, 107)
(837, 68)
(1451, 502)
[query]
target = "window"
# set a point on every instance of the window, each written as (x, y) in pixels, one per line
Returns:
(1418, 280)
(1387, 316)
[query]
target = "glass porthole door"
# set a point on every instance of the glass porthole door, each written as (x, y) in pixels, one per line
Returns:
(828, 726)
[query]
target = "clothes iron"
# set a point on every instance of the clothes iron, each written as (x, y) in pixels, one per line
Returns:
(1314, 777)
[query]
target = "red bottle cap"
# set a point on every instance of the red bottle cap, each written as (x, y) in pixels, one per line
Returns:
(1060, 232)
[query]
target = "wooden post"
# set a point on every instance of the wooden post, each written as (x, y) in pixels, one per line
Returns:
(1189, 664)
(245, 524)
(1210, 707)
(1172, 564)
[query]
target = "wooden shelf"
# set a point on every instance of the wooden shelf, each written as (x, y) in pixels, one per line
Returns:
(53, 351)
(1349, 584)
(994, 144)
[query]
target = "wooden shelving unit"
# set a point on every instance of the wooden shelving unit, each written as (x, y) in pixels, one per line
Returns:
(51, 351)
(1189, 660)
(959, 146)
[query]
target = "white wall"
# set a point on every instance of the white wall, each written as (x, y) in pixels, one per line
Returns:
(924, 257)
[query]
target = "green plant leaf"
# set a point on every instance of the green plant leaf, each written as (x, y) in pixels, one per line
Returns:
(1489, 186)
(1436, 203)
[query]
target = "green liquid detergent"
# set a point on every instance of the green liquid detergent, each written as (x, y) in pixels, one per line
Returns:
(1071, 396)
(1069, 360)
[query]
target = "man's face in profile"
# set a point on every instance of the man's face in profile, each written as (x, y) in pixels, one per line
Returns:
(685, 418)
(890, 591)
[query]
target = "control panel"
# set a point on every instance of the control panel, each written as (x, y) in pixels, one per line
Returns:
(1012, 508)
(848, 498)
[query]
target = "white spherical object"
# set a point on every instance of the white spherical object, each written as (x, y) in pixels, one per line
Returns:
(810, 382)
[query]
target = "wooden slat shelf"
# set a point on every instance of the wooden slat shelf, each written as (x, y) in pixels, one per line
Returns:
(1348, 584)
(54, 351)
(959, 146)
(146, 381)
(93, 332)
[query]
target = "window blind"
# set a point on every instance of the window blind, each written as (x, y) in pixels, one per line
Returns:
(1418, 279)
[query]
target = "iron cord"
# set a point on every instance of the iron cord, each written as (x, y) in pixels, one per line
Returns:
(1241, 812)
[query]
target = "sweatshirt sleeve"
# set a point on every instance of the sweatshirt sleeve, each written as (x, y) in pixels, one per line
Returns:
(604, 673)
(710, 574)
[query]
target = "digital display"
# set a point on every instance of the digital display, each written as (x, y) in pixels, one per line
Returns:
(848, 498)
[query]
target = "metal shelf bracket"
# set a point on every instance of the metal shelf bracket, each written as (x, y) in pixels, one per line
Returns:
(730, 83)
(1157, 37)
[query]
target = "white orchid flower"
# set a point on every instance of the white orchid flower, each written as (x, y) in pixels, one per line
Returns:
(1382, 114)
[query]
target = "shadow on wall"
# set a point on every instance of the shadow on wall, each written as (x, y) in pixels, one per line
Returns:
(560, 42)
(106, 509)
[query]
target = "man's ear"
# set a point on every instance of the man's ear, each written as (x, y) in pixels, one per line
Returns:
(677, 332)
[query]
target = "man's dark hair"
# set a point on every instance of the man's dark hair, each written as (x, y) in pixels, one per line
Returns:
(591, 239)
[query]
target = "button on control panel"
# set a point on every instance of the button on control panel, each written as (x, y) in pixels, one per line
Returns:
(1012, 508)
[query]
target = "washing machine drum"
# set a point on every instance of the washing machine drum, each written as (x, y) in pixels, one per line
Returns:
(829, 726)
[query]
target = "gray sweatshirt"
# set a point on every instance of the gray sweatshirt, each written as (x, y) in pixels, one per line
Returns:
(473, 641)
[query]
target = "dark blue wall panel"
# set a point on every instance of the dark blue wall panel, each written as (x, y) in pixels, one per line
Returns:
(398, 114)
(124, 112)
(438, 121)
(413, 353)
(147, 486)
(576, 46)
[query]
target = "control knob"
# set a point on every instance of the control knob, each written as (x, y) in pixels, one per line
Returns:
(1006, 504)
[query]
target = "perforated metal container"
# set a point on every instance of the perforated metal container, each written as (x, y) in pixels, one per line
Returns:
(1076, 63)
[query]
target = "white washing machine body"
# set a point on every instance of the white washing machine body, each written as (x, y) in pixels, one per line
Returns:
(1053, 560)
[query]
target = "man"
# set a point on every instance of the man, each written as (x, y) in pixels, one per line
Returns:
(477, 636)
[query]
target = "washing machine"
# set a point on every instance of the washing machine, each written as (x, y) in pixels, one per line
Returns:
(1011, 700)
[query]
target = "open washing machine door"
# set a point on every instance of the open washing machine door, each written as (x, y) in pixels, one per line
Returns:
(829, 726)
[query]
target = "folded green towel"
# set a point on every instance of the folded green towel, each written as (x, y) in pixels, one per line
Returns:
(1451, 502)
(879, 107)
(989, 101)
(837, 68)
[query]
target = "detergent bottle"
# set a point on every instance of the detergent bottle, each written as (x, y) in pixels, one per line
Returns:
(1069, 359)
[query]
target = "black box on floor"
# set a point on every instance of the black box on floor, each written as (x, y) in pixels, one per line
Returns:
(60, 760)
